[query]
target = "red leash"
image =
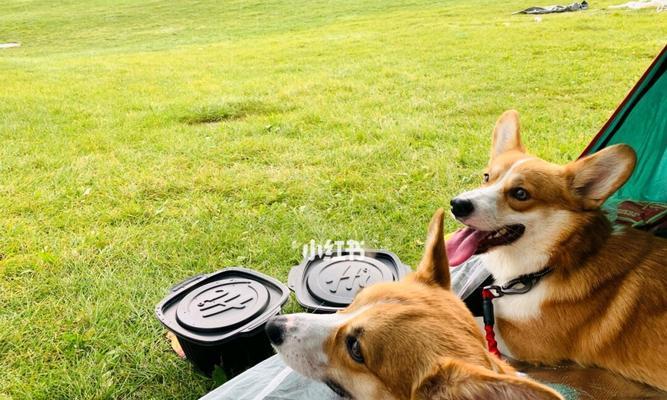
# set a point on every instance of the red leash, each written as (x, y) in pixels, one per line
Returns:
(489, 321)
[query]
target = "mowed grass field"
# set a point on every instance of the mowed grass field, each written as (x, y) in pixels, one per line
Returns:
(142, 142)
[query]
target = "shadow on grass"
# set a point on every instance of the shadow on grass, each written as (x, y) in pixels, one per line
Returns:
(211, 114)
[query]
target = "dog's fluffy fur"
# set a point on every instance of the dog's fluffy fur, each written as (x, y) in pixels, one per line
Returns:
(415, 340)
(605, 303)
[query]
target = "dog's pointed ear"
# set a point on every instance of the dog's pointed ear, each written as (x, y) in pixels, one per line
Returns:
(452, 379)
(433, 268)
(596, 177)
(506, 134)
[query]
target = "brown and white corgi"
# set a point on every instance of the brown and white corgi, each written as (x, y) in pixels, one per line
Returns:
(406, 340)
(605, 301)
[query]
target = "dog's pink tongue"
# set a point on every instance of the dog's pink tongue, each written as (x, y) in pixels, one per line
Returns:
(463, 244)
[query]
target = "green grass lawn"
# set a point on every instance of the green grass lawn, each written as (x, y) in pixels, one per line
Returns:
(146, 141)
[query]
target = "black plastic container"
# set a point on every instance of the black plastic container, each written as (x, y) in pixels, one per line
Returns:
(219, 318)
(329, 283)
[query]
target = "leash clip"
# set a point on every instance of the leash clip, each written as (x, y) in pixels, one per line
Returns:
(494, 291)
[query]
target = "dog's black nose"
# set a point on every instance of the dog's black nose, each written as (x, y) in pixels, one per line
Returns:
(275, 329)
(462, 207)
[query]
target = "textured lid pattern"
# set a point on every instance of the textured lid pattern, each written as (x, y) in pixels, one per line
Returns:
(223, 304)
(329, 283)
(337, 280)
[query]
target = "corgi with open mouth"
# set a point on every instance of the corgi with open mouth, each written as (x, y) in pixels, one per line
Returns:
(408, 340)
(599, 292)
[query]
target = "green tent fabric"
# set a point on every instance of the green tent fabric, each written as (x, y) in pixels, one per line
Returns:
(641, 122)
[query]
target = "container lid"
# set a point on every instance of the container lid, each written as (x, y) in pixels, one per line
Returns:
(212, 309)
(337, 280)
(329, 283)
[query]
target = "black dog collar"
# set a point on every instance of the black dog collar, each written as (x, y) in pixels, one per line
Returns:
(522, 284)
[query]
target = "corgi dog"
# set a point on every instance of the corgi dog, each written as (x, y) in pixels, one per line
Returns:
(602, 299)
(407, 340)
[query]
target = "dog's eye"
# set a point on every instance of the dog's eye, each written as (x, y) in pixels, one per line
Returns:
(520, 194)
(486, 178)
(354, 348)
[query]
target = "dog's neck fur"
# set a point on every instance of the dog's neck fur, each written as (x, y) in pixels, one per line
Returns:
(563, 250)
(591, 231)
